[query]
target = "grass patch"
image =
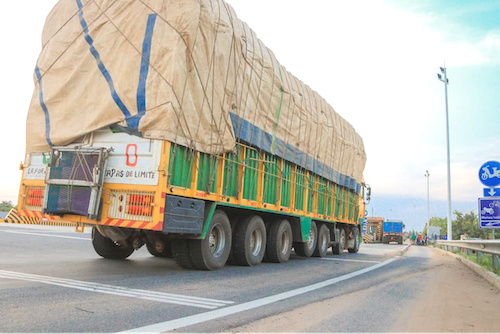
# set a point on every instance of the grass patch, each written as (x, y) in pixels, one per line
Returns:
(486, 261)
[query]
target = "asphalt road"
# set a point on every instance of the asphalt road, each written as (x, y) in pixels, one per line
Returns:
(51, 280)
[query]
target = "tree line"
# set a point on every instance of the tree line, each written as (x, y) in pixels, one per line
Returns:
(463, 224)
(5, 206)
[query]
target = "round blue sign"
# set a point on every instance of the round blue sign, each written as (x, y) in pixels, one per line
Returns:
(489, 173)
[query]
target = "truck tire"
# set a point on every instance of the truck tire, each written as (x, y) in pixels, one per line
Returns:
(307, 248)
(249, 241)
(180, 253)
(167, 250)
(323, 241)
(279, 241)
(107, 248)
(338, 247)
(212, 252)
(355, 236)
(400, 242)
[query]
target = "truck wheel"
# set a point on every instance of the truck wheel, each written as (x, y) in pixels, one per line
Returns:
(355, 236)
(167, 250)
(323, 241)
(212, 252)
(249, 241)
(307, 248)
(180, 253)
(338, 248)
(109, 249)
(279, 241)
(400, 240)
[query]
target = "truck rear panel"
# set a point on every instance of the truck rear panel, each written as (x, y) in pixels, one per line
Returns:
(140, 174)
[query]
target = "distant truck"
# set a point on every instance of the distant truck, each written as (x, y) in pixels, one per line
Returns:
(392, 231)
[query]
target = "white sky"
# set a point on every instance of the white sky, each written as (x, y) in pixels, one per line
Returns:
(374, 61)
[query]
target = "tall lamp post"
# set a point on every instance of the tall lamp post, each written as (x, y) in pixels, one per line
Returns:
(444, 79)
(427, 175)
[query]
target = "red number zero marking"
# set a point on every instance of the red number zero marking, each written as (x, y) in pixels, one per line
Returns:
(134, 154)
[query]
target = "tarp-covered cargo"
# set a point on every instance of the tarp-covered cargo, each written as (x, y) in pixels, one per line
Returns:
(187, 71)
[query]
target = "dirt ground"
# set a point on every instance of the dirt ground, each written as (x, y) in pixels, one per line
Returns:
(457, 300)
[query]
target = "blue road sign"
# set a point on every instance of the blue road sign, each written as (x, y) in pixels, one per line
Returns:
(491, 192)
(489, 173)
(489, 213)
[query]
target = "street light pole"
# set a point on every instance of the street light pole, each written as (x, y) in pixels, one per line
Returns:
(427, 175)
(445, 80)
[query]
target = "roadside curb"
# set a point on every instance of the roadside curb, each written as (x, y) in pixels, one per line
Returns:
(401, 252)
(486, 274)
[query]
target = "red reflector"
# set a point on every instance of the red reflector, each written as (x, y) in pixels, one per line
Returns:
(33, 201)
(140, 199)
(31, 192)
(139, 210)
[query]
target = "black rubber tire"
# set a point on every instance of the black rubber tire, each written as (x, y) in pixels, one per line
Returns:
(167, 251)
(307, 248)
(107, 248)
(323, 241)
(355, 236)
(400, 242)
(212, 252)
(249, 244)
(180, 253)
(339, 247)
(279, 241)
(152, 250)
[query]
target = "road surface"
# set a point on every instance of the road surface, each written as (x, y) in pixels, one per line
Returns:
(51, 280)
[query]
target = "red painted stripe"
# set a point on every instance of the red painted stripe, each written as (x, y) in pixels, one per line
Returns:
(143, 225)
(108, 222)
(163, 195)
(158, 226)
(131, 223)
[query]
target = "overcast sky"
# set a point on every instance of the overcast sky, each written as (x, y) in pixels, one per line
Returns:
(374, 61)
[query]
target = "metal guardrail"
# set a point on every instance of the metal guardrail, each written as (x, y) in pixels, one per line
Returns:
(478, 246)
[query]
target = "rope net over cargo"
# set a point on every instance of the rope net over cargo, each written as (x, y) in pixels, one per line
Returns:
(186, 71)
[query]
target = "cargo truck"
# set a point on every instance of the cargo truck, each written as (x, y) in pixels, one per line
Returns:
(392, 232)
(169, 124)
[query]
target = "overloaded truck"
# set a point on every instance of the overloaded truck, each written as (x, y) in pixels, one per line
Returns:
(392, 232)
(169, 124)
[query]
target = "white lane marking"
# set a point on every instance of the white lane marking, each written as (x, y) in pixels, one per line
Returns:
(118, 291)
(47, 235)
(346, 260)
(211, 315)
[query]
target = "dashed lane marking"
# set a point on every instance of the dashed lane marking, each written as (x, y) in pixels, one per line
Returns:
(162, 297)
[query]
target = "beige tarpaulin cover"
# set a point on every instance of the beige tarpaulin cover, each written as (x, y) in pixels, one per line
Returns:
(188, 71)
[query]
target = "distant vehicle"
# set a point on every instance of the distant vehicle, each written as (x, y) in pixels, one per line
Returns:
(393, 231)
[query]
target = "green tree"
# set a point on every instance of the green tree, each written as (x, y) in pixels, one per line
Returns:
(6, 206)
(440, 222)
(463, 224)
(468, 224)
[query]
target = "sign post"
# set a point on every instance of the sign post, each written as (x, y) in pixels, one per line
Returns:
(489, 205)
